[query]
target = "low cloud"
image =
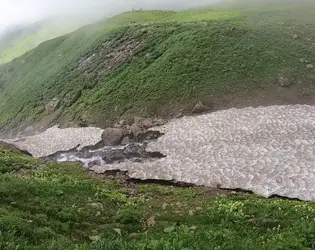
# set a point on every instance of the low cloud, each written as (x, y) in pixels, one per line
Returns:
(19, 12)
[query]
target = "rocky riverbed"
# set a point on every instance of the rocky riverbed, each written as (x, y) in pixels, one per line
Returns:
(267, 150)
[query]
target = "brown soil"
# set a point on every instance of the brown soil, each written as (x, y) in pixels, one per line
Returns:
(267, 95)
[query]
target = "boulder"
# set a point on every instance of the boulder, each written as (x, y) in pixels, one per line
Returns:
(135, 129)
(158, 122)
(123, 123)
(284, 82)
(52, 105)
(125, 141)
(200, 108)
(113, 136)
(179, 115)
(138, 119)
(147, 123)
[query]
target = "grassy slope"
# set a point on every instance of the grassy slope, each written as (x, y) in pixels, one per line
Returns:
(21, 40)
(61, 206)
(181, 58)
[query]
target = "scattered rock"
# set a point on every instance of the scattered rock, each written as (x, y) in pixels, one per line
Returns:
(123, 123)
(52, 105)
(151, 222)
(138, 119)
(134, 235)
(308, 39)
(179, 115)
(125, 141)
(295, 36)
(131, 151)
(112, 136)
(94, 163)
(310, 66)
(118, 231)
(146, 136)
(94, 238)
(97, 205)
(191, 212)
(135, 129)
(158, 122)
(200, 108)
(164, 206)
(198, 208)
(284, 82)
(147, 123)
(178, 204)
(303, 60)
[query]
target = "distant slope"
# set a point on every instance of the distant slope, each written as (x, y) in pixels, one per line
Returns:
(20, 39)
(156, 62)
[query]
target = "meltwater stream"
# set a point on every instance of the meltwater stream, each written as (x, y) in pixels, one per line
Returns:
(267, 150)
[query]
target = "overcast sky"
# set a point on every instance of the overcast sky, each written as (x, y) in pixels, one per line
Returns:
(14, 12)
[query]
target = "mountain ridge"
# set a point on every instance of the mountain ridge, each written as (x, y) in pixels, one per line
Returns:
(158, 62)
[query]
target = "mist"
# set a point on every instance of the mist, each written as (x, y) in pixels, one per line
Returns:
(23, 12)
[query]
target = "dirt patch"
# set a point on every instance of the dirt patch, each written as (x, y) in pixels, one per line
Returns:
(108, 58)
(238, 97)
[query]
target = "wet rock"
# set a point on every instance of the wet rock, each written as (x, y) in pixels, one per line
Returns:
(148, 135)
(94, 163)
(200, 108)
(84, 154)
(125, 141)
(114, 155)
(134, 152)
(113, 136)
(284, 82)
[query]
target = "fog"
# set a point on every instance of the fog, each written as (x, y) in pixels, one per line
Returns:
(21, 12)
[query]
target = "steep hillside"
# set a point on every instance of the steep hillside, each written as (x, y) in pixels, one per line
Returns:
(157, 62)
(61, 206)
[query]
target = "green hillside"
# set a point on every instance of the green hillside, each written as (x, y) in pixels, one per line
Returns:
(19, 40)
(61, 206)
(157, 62)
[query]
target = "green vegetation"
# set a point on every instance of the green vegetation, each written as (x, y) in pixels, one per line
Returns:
(153, 62)
(23, 39)
(54, 206)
